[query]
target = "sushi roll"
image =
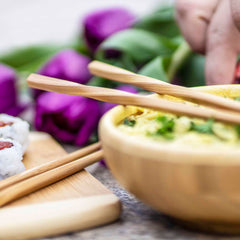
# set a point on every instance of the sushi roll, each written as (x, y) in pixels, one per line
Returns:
(14, 128)
(10, 158)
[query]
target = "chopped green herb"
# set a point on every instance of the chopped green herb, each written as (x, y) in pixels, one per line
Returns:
(166, 129)
(237, 99)
(129, 122)
(203, 128)
(167, 124)
(237, 127)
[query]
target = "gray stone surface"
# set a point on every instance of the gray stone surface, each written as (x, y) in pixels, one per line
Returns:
(138, 221)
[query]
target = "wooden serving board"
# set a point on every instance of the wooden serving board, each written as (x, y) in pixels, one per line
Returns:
(74, 203)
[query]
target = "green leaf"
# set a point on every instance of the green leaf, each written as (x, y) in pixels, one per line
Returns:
(179, 57)
(161, 21)
(122, 61)
(29, 59)
(137, 45)
(192, 73)
(157, 68)
(203, 128)
(102, 82)
(165, 68)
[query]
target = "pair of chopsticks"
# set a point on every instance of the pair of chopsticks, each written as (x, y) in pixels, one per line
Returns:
(41, 176)
(219, 108)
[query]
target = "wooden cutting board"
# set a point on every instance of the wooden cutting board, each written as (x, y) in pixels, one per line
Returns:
(74, 203)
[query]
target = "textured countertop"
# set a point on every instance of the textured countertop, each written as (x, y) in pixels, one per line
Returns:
(138, 221)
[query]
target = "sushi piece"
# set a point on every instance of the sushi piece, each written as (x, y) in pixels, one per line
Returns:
(10, 158)
(14, 128)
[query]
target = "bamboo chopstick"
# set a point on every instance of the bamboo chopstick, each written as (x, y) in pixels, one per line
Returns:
(29, 185)
(154, 85)
(124, 98)
(49, 165)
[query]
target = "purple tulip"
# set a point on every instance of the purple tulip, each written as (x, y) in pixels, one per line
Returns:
(69, 118)
(8, 93)
(101, 24)
(68, 65)
(107, 106)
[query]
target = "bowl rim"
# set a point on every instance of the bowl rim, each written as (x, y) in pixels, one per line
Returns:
(118, 140)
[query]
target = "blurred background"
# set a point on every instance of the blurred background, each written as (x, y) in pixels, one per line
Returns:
(24, 22)
(59, 38)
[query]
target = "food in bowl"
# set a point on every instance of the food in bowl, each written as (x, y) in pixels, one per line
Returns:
(180, 130)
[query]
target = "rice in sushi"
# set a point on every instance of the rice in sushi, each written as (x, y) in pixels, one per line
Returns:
(10, 158)
(14, 128)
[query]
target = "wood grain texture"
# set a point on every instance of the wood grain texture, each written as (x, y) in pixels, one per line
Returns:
(43, 149)
(47, 178)
(51, 218)
(155, 85)
(125, 98)
(199, 186)
(80, 158)
(102, 207)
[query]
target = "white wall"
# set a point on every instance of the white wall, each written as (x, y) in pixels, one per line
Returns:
(24, 22)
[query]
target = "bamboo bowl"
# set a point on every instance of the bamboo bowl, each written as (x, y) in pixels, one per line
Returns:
(199, 188)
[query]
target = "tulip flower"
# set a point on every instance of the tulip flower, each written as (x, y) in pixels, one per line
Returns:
(68, 65)
(71, 119)
(127, 88)
(100, 25)
(8, 93)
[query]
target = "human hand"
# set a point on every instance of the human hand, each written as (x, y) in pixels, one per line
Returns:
(212, 27)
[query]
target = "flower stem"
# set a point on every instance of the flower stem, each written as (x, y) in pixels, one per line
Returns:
(179, 57)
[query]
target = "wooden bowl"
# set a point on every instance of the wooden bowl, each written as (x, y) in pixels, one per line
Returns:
(199, 187)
